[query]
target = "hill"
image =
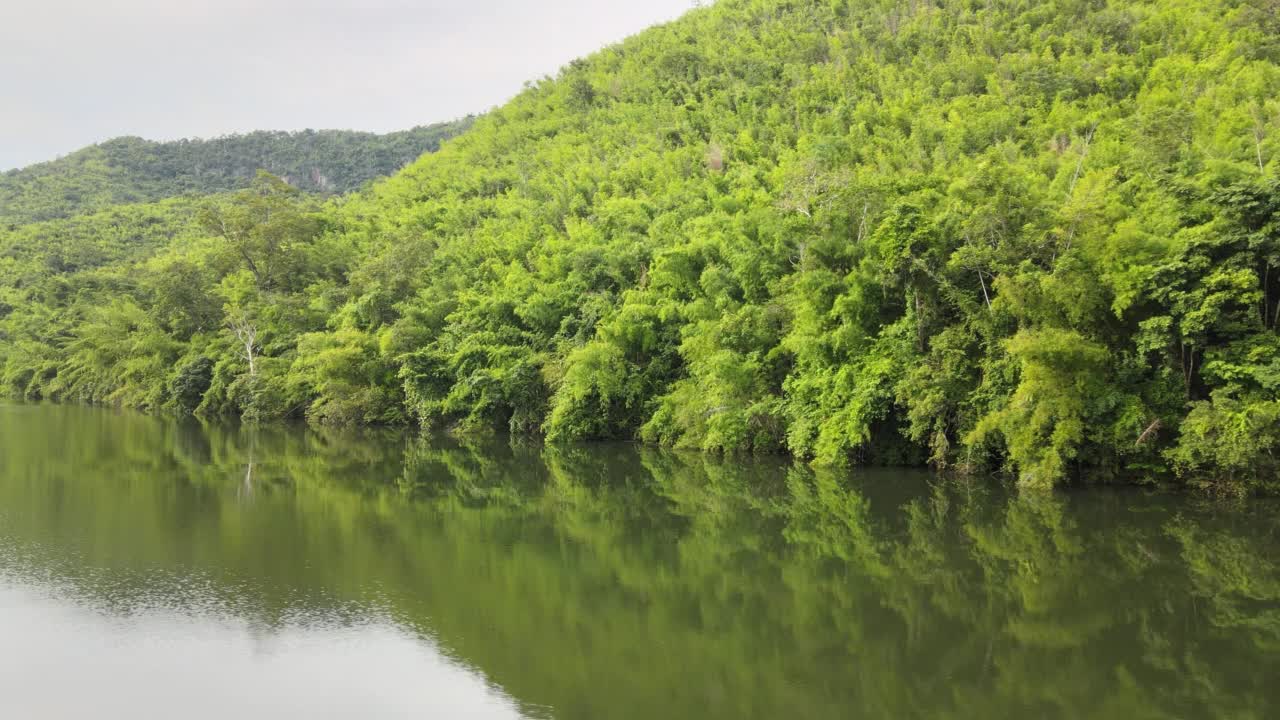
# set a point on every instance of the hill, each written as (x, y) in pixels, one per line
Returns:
(133, 170)
(1034, 236)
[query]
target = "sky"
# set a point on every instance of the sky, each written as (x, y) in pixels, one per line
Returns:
(77, 72)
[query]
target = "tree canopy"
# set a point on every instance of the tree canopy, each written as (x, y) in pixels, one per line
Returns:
(1039, 236)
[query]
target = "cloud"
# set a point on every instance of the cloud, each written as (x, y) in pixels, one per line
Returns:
(82, 71)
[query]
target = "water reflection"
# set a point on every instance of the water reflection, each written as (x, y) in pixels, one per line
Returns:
(615, 582)
(69, 660)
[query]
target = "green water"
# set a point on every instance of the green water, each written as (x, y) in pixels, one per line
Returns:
(160, 569)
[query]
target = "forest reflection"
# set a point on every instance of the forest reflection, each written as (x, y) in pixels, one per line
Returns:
(617, 581)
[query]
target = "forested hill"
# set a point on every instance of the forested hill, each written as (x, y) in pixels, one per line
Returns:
(1033, 235)
(132, 170)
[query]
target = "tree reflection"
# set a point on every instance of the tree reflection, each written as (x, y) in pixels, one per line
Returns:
(625, 582)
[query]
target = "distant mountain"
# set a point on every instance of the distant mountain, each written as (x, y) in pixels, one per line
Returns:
(132, 170)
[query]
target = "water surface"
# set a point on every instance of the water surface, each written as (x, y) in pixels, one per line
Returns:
(157, 568)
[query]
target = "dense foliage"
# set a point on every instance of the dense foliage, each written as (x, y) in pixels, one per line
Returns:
(133, 170)
(1037, 235)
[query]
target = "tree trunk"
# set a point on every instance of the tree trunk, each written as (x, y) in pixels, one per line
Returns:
(247, 334)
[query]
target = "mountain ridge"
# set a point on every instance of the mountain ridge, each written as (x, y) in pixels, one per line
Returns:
(130, 169)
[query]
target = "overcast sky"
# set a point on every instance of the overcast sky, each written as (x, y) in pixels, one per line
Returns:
(76, 72)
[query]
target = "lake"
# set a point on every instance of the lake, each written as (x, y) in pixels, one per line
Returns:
(155, 568)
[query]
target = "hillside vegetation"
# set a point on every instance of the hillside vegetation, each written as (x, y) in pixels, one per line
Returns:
(133, 170)
(1042, 236)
